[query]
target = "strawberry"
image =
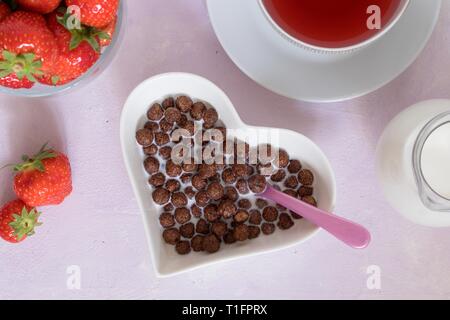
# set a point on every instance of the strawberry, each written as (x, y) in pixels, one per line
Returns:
(78, 51)
(17, 221)
(109, 31)
(27, 49)
(39, 6)
(5, 10)
(96, 13)
(45, 179)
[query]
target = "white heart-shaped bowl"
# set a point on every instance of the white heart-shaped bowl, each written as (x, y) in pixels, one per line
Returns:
(166, 261)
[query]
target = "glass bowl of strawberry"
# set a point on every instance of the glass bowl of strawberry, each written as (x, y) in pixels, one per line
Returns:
(52, 46)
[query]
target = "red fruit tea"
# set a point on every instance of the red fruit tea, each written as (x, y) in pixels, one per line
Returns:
(330, 23)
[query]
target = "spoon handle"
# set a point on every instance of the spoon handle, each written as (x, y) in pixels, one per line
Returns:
(347, 231)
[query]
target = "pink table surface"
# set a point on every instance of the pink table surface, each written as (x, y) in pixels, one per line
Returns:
(99, 227)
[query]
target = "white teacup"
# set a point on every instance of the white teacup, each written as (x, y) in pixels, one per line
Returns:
(345, 49)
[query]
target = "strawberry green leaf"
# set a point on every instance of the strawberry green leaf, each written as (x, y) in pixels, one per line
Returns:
(8, 56)
(103, 35)
(75, 40)
(22, 65)
(89, 34)
(55, 80)
(35, 163)
(30, 77)
(25, 222)
(5, 73)
(94, 44)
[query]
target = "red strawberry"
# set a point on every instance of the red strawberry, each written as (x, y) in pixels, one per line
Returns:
(76, 51)
(45, 179)
(96, 13)
(27, 49)
(5, 10)
(39, 6)
(109, 30)
(17, 221)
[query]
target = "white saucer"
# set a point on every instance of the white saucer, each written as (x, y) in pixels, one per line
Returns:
(275, 63)
(394, 163)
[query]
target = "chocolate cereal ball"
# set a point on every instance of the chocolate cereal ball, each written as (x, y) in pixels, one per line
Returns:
(151, 165)
(239, 170)
(165, 126)
(261, 203)
(253, 232)
(267, 228)
(219, 228)
(202, 226)
(210, 117)
(187, 230)
(184, 103)
(306, 177)
(211, 243)
(157, 180)
(161, 138)
(198, 182)
(160, 196)
(285, 222)
(179, 199)
(198, 110)
(255, 217)
(189, 126)
(151, 150)
(228, 176)
(173, 185)
(230, 194)
(291, 182)
(304, 191)
(197, 243)
(171, 236)
(310, 200)
(278, 176)
(215, 190)
(242, 186)
(183, 247)
(244, 204)
(270, 214)
(155, 112)
(240, 233)
(229, 238)
(168, 207)
(282, 159)
(182, 215)
(172, 115)
(227, 209)
(291, 192)
(257, 183)
(168, 103)
(144, 137)
(165, 152)
(190, 167)
(190, 192)
(185, 178)
(166, 220)
(241, 216)
(206, 171)
(152, 126)
(172, 169)
(201, 198)
(294, 166)
(210, 213)
(196, 211)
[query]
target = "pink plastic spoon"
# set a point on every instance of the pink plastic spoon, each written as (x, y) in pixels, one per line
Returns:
(349, 232)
